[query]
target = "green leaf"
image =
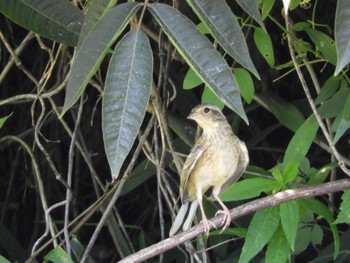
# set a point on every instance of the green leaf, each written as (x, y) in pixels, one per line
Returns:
(328, 89)
(4, 119)
(248, 188)
(289, 213)
(251, 7)
(199, 53)
(344, 214)
(95, 11)
(301, 141)
(59, 21)
(321, 174)
(334, 106)
(266, 8)
(4, 260)
(324, 43)
(191, 80)
(277, 249)
(263, 42)
(342, 32)
(290, 172)
(93, 49)
(260, 231)
(245, 83)
(344, 124)
(286, 113)
(210, 97)
(126, 95)
(58, 255)
(322, 210)
(316, 235)
(203, 28)
(276, 173)
(223, 25)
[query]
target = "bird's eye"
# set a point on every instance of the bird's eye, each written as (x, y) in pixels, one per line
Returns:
(206, 110)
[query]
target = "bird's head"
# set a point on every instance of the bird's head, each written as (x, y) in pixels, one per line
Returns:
(208, 116)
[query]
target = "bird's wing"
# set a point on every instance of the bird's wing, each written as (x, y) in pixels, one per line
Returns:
(190, 163)
(241, 166)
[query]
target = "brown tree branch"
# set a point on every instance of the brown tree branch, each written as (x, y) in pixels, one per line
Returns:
(273, 200)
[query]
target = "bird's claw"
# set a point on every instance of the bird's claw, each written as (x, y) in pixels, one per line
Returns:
(226, 221)
(207, 224)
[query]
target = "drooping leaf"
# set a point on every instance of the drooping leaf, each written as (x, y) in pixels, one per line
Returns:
(251, 7)
(301, 141)
(199, 53)
(328, 89)
(249, 188)
(289, 213)
(59, 21)
(93, 49)
(342, 33)
(344, 123)
(344, 214)
(277, 248)
(245, 83)
(266, 8)
(261, 229)
(264, 44)
(126, 95)
(286, 113)
(324, 43)
(224, 26)
(334, 106)
(95, 11)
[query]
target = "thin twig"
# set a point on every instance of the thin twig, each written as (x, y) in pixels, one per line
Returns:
(309, 97)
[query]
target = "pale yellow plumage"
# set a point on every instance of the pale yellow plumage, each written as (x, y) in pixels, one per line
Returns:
(217, 160)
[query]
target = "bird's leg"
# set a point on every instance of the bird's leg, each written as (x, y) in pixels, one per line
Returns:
(225, 211)
(206, 223)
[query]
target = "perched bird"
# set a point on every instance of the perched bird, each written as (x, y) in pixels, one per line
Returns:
(217, 160)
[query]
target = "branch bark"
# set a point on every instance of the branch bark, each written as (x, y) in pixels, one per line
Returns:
(273, 200)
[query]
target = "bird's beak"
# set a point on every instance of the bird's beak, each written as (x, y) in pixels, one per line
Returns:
(192, 116)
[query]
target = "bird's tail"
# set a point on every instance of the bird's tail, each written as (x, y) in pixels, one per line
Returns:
(184, 217)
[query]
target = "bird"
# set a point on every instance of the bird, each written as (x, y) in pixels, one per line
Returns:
(217, 160)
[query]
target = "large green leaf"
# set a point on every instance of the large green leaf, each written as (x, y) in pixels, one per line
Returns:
(94, 48)
(301, 141)
(199, 53)
(224, 26)
(249, 188)
(94, 13)
(260, 231)
(252, 9)
(126, 95)
(289, 213)
(59, 21)
(277, 250)
(342, 33)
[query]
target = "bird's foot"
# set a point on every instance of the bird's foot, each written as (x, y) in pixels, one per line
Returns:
(226, 221)
(207, 224)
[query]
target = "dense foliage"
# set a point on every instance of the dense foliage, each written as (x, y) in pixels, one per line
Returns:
(93, 129)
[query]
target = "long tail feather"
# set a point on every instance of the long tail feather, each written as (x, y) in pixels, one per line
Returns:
(184, 218)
